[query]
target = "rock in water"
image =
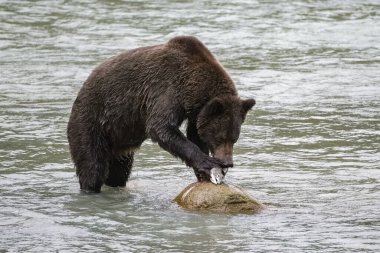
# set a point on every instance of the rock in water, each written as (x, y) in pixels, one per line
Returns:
(221, 198)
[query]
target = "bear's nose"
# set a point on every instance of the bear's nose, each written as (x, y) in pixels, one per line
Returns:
(229, 165)
(228, 162)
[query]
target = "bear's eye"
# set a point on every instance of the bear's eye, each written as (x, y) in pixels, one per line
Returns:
(221, 137)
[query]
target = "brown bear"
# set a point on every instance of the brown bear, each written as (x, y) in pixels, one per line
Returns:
(147, 93)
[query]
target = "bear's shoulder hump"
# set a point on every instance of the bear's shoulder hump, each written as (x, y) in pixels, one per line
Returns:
(189, 44)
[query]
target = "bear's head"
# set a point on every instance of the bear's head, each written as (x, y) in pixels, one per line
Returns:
(219, 122)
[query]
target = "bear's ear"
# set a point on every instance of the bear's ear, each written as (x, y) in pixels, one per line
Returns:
(214, 107)
(248, 104)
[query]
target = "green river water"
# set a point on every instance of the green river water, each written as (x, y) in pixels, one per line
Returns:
(310, 149)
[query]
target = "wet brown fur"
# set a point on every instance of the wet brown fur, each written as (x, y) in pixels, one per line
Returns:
(147, 93)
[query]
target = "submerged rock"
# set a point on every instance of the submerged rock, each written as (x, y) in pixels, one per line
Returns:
(222, 198)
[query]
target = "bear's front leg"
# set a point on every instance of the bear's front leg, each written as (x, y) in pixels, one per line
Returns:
(172, 140)
(192, 135)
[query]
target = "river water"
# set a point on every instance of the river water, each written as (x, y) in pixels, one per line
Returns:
(310, 149)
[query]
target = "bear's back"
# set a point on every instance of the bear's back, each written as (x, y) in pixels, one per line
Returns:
(184, 63)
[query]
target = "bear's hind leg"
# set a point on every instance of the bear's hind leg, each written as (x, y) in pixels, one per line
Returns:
(89, 181)
(90, 154)
(91, 171)
(119, 170)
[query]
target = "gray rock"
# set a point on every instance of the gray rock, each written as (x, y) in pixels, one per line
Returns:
(222, 198)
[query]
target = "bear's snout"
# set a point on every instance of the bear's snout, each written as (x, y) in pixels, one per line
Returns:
(224, 153)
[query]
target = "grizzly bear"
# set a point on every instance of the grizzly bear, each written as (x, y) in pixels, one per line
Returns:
(149, 92)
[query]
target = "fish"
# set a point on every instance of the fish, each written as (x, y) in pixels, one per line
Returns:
(217, 175)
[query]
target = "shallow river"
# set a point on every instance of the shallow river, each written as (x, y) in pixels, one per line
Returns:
(310, 149)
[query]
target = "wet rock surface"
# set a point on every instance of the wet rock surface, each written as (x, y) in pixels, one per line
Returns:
(223, 198)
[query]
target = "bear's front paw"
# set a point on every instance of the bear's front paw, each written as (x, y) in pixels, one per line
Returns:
(203, 167)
